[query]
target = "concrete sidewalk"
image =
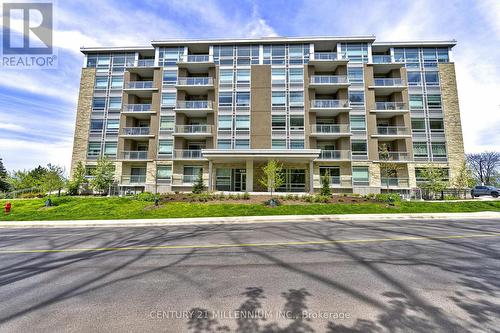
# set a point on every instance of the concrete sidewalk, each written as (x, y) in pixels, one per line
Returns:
(246, 220)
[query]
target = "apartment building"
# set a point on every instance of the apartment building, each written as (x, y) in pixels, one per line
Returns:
(346, 106)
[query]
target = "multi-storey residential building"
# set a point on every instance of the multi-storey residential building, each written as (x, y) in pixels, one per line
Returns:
(346, 106)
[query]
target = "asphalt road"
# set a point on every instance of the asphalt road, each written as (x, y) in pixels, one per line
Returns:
(408, 276)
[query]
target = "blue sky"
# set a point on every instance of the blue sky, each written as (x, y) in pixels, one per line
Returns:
(38, 107)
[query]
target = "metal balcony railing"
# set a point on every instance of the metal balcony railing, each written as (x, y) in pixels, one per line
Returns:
(136, 131)
(137, 107)
(189, 178)
(394, 182)
(325, 56)
(328, 79)
(187, 154)
(195, 81)
(381, 59)
(193, 129)
(194, 58)
(393, 156)
(134, 155)
(194, 104)
(329, 103)
(139, 85)
(387, 82)
(335, 155)
(133, 179)
(326, 129)
(389, 106)
(392, 130)
(145, 63)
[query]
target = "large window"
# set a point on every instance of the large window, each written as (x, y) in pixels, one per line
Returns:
(99, 103)
(296, 123)
(191, 173)
(243, 76)
(296, 98)
(278, 123)
(358, 123)
(110, 149)
(420, 149)
(169, 77)
(116, 82)
(438, 150)
(226, 76)
(434, 101)
(332, 172)
(168, 99)
(359, 149)
(101, 82)
(223, 144)
(431, 78)
(242, 144)
(278, 98)
(165, 147)
(112, 125)
(357, 97)
(225, 123)
(225, 98)
(360, 176)
(96, 125)
(296, 144)
(416, 102)
(436, 125)
(418, 125)
(94, 149)
(242, 99)
(414, 78)
(355, 74)
(278, 76)
(278, 144)
(115, 103)
(296, 75)
(167, 123)
(164, 173)
(242, 123)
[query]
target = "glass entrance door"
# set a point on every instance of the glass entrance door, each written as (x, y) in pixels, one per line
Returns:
(240, 180)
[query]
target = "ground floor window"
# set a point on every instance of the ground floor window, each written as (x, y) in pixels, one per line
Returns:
(191, 173)
(164, 173)
(295, 181)
(332, 171)
(360, 176)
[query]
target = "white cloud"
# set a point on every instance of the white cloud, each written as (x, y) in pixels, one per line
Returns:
(11, 127)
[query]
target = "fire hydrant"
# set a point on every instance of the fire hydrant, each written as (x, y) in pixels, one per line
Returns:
(7, 208)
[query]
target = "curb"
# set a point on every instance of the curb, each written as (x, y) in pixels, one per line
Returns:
(246, 220)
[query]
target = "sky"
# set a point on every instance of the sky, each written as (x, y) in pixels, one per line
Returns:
(38, 107)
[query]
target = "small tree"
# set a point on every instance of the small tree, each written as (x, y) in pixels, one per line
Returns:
(199, 186)
(104, 175)
(464, 179)
(4, 185)
(78, 179)
(53, 179)
(273, 176)
(433, 180)
(325, 185)
(388, 168)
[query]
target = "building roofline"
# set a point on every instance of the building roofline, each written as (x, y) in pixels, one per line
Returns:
(451, 43)
(91, 49)
(264, 40)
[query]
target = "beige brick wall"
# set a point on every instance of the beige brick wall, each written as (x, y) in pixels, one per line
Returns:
(452, 123)
(261, 107)
(83, 112)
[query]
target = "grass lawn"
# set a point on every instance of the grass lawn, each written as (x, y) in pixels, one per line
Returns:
(82, 208)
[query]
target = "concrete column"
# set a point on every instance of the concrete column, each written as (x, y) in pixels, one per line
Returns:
(311, 177)
(249, 176)
(210, 167)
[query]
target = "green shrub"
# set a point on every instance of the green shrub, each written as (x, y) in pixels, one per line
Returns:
(388, 197)
(451, 197)
(31, 195)
(145, 196)
(308, 198)
(321, 198)
(246, 196)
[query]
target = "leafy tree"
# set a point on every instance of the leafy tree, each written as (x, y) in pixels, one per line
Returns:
(4, 185)
(77, 180)
(104, 175)
(388, 168)
(53, 179)
(23, 179)
(464, 178)
(325, 185)
(273, 176)
(433, 180)
(485, 166)
(199, 186)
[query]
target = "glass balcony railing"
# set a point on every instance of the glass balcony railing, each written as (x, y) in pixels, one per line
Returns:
(390, 106)
(194, 104)
(381, 59)
(393, 156)
(334, 155)
(330, 129)
(328, 79)
(145, 63)
(392, 130)
(189, 178)
(187, 154)
(195, 81)
(329, 103)
(136, 131)
(133, 179)
(138, 108)
(134, 155)
(394, 182)
(195, 58)
(388, 82)
(139, 85)
(193, 129)
(325, 56)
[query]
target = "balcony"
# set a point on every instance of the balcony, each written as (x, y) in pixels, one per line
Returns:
(383, 64)
(133, 179)
(194, 108)
(387, 86)
(196, 63)
(394, 182)
(137, 133)
(140, 111)
(193, 131)
(143, 67)
(134, 155)
(389, 109)
(337, 181)
(188, 154)
(195, 85)
(328, 84)
(381, 59)
(330, 131)
(326, 61)
(329, 107)
(391, 132)
(143, 89)
(335, 155)
(393, 156)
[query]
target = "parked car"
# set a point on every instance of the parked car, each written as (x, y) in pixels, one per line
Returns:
(485, 190)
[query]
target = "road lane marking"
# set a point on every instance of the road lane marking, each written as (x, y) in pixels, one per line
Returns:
(275, 244)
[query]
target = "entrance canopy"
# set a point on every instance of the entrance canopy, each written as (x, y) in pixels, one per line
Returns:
(241, 155)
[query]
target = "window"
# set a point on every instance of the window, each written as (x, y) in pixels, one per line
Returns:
(436, 125)
(432, 78)
(168, 99)
(167, 123)
(416, 102)
(278, 76)
(360, 176)
(223, 179)
(91, 60)
(110, 149)
(278, 144)
(355, 52)
(225, 98)
(359, 148)
(226, 76)
(223, 144)
(333, 172)
(296, 144)
(420, 149)
(169, 77)
(243, 99)
(358, 123)
(96, 125)
(165, 147)
(116, 82)
(168, 56)
(191, 173)
(94, 149)
(101, 82)
(355, 74)
(296, 98)
(434, 101)
(278, 98)
(429, 55)
(225, 123)
(115, 103)
(414, 78)
(411, 55)
(243, 76)
(103, 61)
(164, 172)
(296, 75)
(357, 97)
(418, 125)
(296, 123)
(438, 149)
(98, 103)
(242, 144)
(442, 55)
(242, 123)
(112, 125)
(278, 123)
